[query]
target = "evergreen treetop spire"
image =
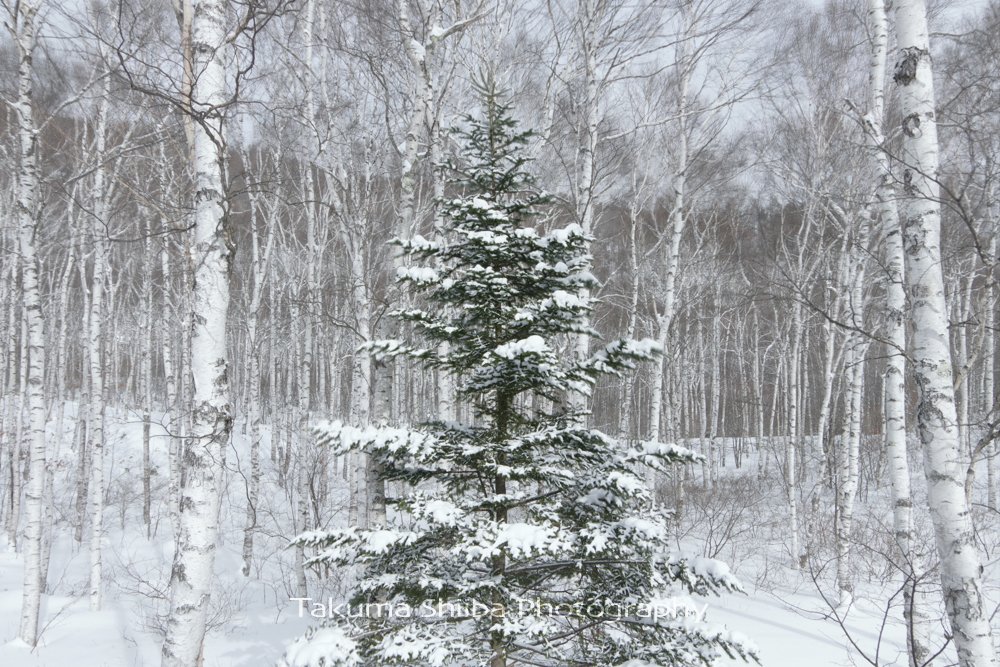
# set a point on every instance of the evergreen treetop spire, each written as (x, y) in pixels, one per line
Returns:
(494, 162)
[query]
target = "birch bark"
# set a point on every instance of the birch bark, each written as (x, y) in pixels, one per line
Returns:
(211, 412)
(887, 220)
(847, 474)
(61, 344)
(352, 236)
(590, 15)
(261, 266)
(791, 442)
(15, 413)
(989, 379)
(300, 436)
(11, 407)
(168, 340)
(146, 361)
(672, 247)
(961, 568)
(23, 29)
(98, 356)
(626, 415)
(715, 447)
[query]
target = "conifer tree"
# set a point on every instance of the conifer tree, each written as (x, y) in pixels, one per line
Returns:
(519, 537)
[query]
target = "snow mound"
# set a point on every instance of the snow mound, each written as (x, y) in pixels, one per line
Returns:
(518, 348)
(324, 647)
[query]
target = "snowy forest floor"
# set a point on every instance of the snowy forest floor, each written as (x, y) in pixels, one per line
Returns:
(742, 522)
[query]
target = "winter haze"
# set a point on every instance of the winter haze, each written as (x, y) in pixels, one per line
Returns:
(488, 333)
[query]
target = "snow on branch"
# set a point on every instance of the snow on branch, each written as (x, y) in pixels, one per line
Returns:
(702, 576)
(418, 275)
(352, 544)
(389, 349)
(417, 244)
(660, 456)
(343, 438)
(520, 348)
(621, 355)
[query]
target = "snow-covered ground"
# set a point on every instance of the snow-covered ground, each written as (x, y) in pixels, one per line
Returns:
(781, 624)
(254, 629)
(255, 618)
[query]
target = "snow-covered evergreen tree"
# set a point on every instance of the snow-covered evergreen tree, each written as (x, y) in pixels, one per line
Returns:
(519, 537)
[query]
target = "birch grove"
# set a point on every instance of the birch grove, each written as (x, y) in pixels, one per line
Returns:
(225, 224)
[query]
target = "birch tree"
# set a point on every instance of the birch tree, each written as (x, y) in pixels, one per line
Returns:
(961, 569)
(96, 344)
(261, 269)
(886, 216)
(211, 409)
(703, 28)
(429, 29)
(602, 53)
(21, 21)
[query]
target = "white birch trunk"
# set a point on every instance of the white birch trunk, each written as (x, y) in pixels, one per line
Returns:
(416, 52)
(447, 390)
(675, 230)
(82, 421)
(97, 356)
(714, 446)
(791, 442)
(848, 464)
(362, 371)
(300, 437)
(274, 305)
(625, 416)
(989, 381)
(146, 361)
(27, 188)
(61, 346)
(167, 343)
(656, 391)
(586, 201)
(15, 410)
(312, 294)
(9, 415)
(962, 305)
(847, 474)
(211, 422)
(703, 413)
(831, 359)
(887, 219)
(961, 569)
(261, 265)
